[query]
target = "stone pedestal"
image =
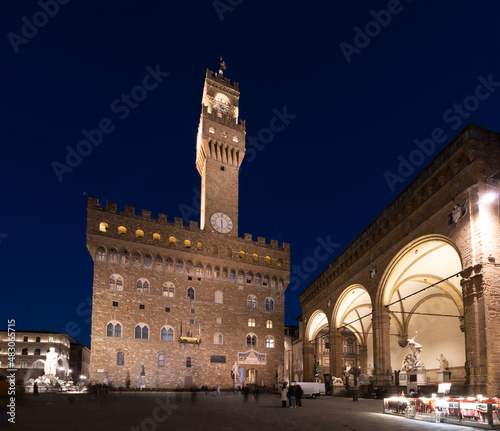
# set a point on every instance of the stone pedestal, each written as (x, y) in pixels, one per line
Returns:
(444, 376)
(143, 386)
(416, 378)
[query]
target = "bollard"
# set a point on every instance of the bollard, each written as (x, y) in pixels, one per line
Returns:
(355, 396)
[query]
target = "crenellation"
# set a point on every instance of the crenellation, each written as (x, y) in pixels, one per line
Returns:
(193, 225)
(248, 237)
(146, 214)
(129, 211)
(111, 206)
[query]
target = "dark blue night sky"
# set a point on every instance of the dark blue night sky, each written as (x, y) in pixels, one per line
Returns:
(368, 93)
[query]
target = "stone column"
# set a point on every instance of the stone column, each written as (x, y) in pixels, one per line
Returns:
(381, 347)
(363, 358)
(308, 359)
(335, 353)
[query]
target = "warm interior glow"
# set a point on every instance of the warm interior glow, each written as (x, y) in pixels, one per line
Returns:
(156, 237)
(139, 233)
(487, 198)
(122, 230)
(103, 227)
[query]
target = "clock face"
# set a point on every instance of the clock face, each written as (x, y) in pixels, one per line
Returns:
(221, 222)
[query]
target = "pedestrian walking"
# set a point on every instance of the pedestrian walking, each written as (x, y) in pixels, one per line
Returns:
(284, 394)
(298, 393)
(35, 389)
(292, 392)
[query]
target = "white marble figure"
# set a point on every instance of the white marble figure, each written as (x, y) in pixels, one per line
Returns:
(443, 362)
(416, 349)
(51, 361)
(337, 381)
(236, 373)
(370, 370)
(347, 369)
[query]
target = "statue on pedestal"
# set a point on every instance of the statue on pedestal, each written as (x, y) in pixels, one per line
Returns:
(443, 362)
(412, 360)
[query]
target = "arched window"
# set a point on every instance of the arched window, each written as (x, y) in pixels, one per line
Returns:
(163, 334)
(122, 230)
(156, 237)
(257, 279)
(37, 352)
(251, 340)
(168, 289)
(269, 304)
(141, 332)
(113, 255)
(270, 342)
(199, 246)
(218, 297)
(189, 267)
(218, 339)
(24, 351)
(215, 250)
(251, 301)
(265, 281)
(114, 330)
(242, 255)
(251, 323)
(120, 358)
(211, 130)
(190, 293)
(139, 233)
(161, 360)
(249, 278)
(187, 243)
(208, 271)
(255, 257)
(268, 259)
(100, 254)
(229, 252)
(170, 335)
(116, 282)
(148, 261)
(188, 361)
(24, 364)
(269, 324)
(232, 275)
(103, 227)
(280, 262)
(36, 364)
(142, 286)
(172, 240)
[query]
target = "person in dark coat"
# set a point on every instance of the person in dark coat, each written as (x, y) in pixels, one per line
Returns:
(298, 394)
(292, 392)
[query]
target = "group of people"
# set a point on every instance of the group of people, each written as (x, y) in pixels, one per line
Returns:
(293, 394)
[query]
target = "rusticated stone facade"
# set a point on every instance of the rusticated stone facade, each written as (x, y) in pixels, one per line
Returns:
(187, 302)
(427, 265)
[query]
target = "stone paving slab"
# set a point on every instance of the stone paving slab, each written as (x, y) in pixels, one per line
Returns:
(151, 412)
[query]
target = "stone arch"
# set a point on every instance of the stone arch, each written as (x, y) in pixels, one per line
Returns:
(420, 291)
(318, 321)
(352, 315)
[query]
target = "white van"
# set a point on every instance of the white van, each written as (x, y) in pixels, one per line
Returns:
(311, 389)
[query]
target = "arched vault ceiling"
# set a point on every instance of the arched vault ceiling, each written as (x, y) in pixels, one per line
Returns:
(317, 321)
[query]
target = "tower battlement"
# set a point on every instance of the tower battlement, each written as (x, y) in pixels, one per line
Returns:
(111, 208)
(221, 79)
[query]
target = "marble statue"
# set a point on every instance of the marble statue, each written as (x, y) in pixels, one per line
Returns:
(414, 361)
(337, 381)
(443, 362)
(370, 370)
(347, 369)
(235, 371)
(51, 361)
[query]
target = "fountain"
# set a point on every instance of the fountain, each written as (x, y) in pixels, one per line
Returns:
(50, 381)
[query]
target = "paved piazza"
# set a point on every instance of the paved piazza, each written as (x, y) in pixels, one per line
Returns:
(175, 412)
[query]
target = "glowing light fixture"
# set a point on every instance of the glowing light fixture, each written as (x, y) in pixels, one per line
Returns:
(487, 198)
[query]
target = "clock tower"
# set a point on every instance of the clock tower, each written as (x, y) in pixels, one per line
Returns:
(220, 148)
